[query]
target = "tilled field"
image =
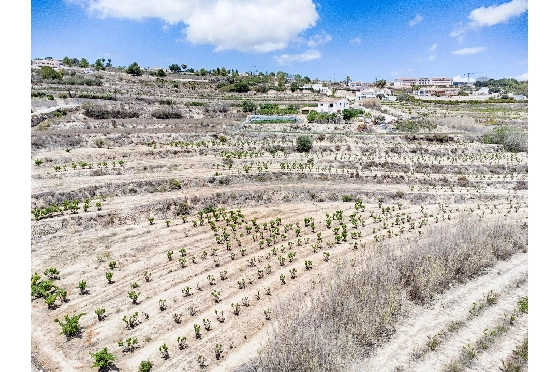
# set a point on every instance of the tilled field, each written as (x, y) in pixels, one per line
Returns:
(215, 227)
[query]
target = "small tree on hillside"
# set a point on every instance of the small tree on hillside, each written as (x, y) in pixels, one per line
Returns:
(134, 69)
(304, 143)
(48, 72)
(174, 68)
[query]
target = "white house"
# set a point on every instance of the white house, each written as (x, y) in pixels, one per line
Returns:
(372, 93)
(331, 105)
(316, 87)
(55, 63)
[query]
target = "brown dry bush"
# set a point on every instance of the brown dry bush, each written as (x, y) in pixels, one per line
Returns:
(102, 112)
(371, 103)
(465, 124)
(338, 318)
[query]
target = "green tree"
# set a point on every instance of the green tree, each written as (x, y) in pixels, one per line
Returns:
(347, 80)
(381, 83)
(83, 63)
(294, 86)
(48, 72)
(174, 68)
(66, 61)
(304, 143)
(134, 69)
(161, 73)
(108, 64)
(241, 87)
(99, 64)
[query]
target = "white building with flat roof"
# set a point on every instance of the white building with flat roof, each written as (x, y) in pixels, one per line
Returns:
(423, 81)
(54, 63)
(332, 105)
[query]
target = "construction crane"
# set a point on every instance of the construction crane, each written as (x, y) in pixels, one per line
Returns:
(471, 73)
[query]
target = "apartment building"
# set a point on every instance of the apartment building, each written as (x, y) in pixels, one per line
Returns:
(423, 81)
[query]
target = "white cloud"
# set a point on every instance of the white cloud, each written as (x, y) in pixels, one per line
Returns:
(288, 59)
(491, 16)
(355, 40)
(521, 77)
(433, 47)
(472, 50)
(244, 25)
(319, 39)
(416, 20)
(432, 57)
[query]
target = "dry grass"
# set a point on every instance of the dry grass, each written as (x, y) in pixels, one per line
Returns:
(464, 124)
(354, 306)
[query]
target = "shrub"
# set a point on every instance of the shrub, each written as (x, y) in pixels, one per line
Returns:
(167, 114)
(134, 69)
(103, 359)
(101, 112)
(71, 327)
(48, 72)
(248, 106)
(371, 103)
(145, 366)
(304, 143)
(513, 139)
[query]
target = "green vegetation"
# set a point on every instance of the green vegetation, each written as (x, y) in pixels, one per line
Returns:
(134, 69)
(304, 143)
(322, 117)
(348, 114)
(248, 106)
(48, 72)
(513, 139)
(71, 326)
(145, 366)
(103, 359)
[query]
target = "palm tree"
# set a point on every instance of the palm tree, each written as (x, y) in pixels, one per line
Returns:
(347, 80)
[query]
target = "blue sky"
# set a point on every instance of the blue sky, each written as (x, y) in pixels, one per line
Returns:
(320, 39)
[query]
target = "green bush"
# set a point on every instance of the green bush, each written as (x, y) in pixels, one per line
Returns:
(348, 114)
(145, 366)
(71, 327)
(48, 72)
(134, 69)
(513, 139)
(103, 359)
(248, 106)
(304, 143)
(322, 117)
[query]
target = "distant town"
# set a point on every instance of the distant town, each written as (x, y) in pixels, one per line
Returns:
(440, 87)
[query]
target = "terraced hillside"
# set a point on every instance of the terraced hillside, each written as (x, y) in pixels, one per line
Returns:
(224, 229)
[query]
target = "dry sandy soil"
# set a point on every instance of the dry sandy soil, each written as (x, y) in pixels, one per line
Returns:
(173, 169)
